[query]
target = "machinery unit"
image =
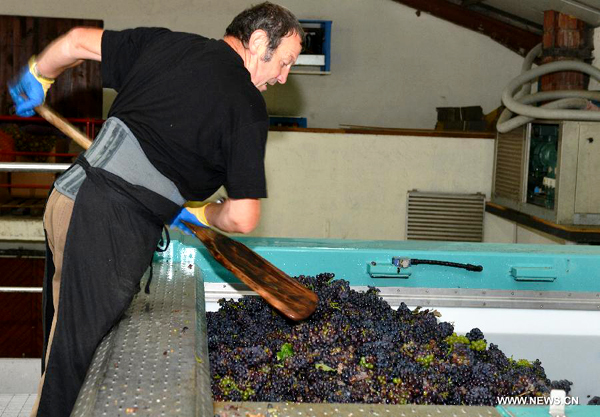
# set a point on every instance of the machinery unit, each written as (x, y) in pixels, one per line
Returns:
(534, 301)
(549, 170)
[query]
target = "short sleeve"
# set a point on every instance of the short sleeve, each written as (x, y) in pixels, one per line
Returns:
(245, 155)
(121, 50)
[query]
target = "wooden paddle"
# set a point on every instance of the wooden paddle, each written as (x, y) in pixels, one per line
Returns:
(287, 295)
(284, 293)
(63, 125)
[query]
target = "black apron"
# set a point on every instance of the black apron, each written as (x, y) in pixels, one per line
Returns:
(112, 236)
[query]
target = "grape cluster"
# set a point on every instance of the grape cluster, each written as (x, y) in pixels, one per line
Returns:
(355, 348)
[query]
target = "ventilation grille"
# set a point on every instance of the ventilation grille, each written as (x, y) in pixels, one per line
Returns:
(509, 165)
(445, 217)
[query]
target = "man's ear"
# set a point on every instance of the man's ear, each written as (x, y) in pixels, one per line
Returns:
(259, 42)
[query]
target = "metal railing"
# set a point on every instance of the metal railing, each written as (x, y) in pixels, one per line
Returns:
(21, 289)
(91, 125)
(32, 167)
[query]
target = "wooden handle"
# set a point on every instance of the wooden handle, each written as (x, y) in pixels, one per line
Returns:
(63, 125)
(284, 293)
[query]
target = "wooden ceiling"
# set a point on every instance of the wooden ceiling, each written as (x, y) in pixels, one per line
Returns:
(516, 24)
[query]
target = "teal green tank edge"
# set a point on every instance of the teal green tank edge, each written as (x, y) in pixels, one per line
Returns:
(542, 411)
(562, 267)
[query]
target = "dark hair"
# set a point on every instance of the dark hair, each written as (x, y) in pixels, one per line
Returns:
(277, 21)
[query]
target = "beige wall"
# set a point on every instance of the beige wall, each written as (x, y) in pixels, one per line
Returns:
(499, 230)
(390, 67)
(344, 186)
(355, 186)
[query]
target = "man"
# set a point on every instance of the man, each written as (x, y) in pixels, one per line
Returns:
(188, 118)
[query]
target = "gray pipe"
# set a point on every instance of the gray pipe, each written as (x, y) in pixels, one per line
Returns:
(565, 99)
(501, 124)
(531, 56)
(541, 113)
(566, 103)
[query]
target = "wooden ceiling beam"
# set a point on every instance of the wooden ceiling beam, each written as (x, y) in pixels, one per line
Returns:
(467, 3)
(514, 38)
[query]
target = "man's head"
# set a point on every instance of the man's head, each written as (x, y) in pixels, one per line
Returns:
(272, 38)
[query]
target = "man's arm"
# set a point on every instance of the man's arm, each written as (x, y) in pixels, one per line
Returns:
(70, 50)
(29, 89)
(234, 216)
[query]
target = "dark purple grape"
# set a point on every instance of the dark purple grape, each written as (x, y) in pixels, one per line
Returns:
(356, 348)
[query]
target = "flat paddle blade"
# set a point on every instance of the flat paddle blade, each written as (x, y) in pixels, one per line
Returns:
(287, 295)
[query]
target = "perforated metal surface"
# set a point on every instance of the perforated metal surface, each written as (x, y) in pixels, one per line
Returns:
(95, 377)
(204, 404)
(146, 366)
(245, 409)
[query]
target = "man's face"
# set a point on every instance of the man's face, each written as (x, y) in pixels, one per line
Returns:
(278, 67)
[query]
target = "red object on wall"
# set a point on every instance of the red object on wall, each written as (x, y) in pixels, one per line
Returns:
(565, 38)
(7, 144)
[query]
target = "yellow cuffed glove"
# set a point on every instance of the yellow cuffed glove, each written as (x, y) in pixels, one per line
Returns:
(29, 89)
(45, 82)
(200, 213)
(192, 215)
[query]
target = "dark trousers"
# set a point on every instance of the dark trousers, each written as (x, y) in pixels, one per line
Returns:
(109, 242)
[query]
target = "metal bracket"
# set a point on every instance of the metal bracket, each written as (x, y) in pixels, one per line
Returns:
(395, 269)
(538, 273)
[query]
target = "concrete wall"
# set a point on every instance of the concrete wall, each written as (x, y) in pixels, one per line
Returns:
(499, 230)
(347, 186)
(390, 67)
(354, 186)
(19, 376)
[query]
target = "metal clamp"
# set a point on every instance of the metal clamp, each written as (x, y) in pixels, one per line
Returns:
(387, 270)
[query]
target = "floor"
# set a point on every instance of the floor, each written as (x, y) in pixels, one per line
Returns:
(16, 405)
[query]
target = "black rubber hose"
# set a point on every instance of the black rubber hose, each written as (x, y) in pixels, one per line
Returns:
(468, 267)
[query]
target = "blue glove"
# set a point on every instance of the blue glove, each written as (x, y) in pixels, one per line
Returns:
(185, 215)
(29, 91)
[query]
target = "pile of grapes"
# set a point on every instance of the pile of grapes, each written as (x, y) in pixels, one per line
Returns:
(355, 348)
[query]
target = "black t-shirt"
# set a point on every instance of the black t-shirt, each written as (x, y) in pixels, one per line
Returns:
(191, 104)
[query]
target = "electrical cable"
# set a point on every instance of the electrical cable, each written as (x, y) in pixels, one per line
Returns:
(468, 267)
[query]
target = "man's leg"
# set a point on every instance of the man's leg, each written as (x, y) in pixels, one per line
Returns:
(57, 217)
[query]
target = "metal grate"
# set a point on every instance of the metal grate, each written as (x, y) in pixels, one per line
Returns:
(508, 171)
(444, 216)
(148, 364)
